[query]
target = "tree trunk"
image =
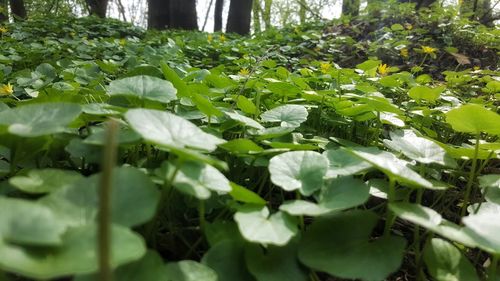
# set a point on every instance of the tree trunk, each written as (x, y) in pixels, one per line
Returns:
(350, 7)
(158, 14)
(238, 20)
(267, 13)
(302, 11)
(219, 7)
(98, 7)
(18, 9)
(256, 16)
(180, 14)
(183, 14)
(4, 11)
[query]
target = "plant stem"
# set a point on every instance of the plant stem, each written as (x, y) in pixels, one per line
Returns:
(201, 214)
(492, 271)
(389, 220)
(105, 189)
(470, 181)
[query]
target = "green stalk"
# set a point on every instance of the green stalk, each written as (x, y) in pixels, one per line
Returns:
(389, 215)
(492, 271)
(470, 181)
(104, 215)
(201, 214)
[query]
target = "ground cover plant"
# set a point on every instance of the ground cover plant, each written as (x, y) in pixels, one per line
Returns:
(363, 148)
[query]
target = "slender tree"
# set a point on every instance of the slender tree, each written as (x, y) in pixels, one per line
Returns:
(302, 11)
(98, 7)
(18, 9)
(240, 13)
(350, 7)
(4, 11)
(266, 14)
(256, 16)
(219, 7)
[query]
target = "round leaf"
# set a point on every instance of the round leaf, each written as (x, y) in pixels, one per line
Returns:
(289, 115)
(76, 255)
(228, 260)
(473, 118)
(302, 170)
(190, 271)
(344, 193)
(45, 180)
(343, 163)
(340, 245)
(446, 263)
(144, 87)
(199, 179)
(170, 131)
(36, 120)
(256, 225)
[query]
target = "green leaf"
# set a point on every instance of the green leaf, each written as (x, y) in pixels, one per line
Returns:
(258, 226)
(302, 170)
(36, 120)
(419, 93)
(199, 179)
(418, 148)
(170, 131)
(473, 118)
(28, 223)
(149, 268)
(486, 225)
(205, 105)
(343, 163)
(246, 105)
(241, 194)
(491, 187)
(249, 122)
(44, 180)
(446, 263)
(78, 204)
(188, 270)
(144, 87)
(343, 193)
(275, 263)
(227, 258)
(340, 245)
(390, 165)
(76, 255)
(303, 208)
(243, 146)
(172, 76)
(289, 115)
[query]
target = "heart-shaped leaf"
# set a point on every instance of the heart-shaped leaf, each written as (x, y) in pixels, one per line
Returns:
(340, 245)
(77, 204)
(344, 193)
(446, 263)
(44, 180)
(76, 255)
(28, 223)
(144, 87)
(289, 115)
(170, 131)
(257, 225)
(343, 163)
(227, 258)
(36, 120)
(418, 148)
(473, 118)
(200, 179)
(302, 170)
(390, 165)
(188, 270)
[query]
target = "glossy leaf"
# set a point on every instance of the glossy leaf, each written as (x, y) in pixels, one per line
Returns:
(144, 87)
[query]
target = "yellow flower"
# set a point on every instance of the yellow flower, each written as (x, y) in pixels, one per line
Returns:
(3, 29)
(244, 72)
(409, 26)
(404, 52)
(210, 37)
(325, 67)
(222, 38)
(477, 68)
(382, 69)
(6, 90)
(123, 41)
(429, 50)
